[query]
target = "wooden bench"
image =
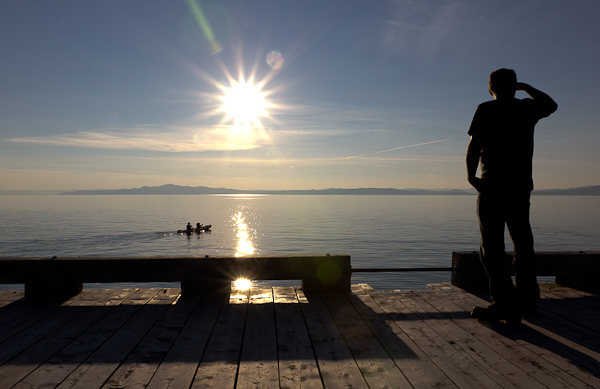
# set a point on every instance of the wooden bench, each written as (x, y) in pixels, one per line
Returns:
(571, 268)
(65, 276)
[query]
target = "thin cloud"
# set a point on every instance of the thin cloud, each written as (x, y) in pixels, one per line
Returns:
(426, 28)
(329, 161)
(170, 139)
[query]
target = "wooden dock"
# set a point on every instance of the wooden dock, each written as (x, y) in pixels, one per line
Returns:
(278, 337)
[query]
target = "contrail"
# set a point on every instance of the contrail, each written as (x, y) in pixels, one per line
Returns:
(395, 148)
(360, 156)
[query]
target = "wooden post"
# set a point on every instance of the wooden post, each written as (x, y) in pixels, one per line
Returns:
(469, 273)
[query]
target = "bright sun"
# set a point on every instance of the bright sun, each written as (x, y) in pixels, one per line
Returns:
(244, 102)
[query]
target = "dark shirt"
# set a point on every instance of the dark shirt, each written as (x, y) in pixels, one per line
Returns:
(506, 127)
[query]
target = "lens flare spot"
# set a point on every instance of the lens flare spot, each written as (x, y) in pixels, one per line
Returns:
(275, 60)
(329, 273)
(197, 138)
(242, 284)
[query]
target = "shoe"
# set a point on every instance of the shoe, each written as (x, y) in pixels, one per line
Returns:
(495, 312)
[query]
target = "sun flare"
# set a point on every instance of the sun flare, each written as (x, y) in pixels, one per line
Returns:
(244, 102)
(242, 284)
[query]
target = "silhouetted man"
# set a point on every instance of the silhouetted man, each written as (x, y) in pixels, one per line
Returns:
(502, 142)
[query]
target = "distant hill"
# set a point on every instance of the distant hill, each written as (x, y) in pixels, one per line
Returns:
(171, 189)
(168, 189)
(580, 191)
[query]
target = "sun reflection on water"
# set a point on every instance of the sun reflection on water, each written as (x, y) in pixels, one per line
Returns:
(244, 244)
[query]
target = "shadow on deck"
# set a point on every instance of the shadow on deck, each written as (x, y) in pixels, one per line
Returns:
(281, 337)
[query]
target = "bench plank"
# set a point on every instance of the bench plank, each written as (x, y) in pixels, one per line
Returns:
(197, 274)
(571, 268)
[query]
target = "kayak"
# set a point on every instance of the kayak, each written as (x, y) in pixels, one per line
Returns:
(195, 229)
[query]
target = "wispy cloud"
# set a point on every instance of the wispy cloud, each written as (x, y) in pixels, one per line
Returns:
(167, 139)
(424, 28)
(371, 160)
(300, 122)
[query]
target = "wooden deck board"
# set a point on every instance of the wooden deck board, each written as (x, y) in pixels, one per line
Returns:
(501, 370)
(258, 363)
(336, 364)
(418, 368)
(279, 337)
(580, 363)
(219, 365)
(9, 296)
(107, 358)
(542, 371)
(25, 360)
(454, 364)
(179, 366)
(376, 366)
(297, 363)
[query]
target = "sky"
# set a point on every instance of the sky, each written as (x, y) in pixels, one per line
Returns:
(283, 95)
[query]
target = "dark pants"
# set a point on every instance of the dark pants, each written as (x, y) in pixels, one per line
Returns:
(496, 209)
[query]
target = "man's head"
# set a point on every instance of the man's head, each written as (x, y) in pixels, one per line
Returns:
(503, 83)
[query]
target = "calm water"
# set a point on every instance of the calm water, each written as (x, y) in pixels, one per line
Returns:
(377, 231)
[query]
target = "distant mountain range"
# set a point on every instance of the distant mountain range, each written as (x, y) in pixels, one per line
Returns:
(171, 189)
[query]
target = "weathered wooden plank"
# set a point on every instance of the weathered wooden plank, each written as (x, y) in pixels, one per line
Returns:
(12, 312)
(10, 296)
(238, 296)
(572, 324)
(261, 295)
(179, 366)
(297, 364)
(284, 295)
(418, 368)
(15, 339)
(219, 364)
(144, 360)
(104, 361)
(376, 366)
(575, 308)
(453, 363)
(461, 329)
(56, 369)
(336, 363)
(579, 362)
(29, 359)
(20, 316)
(540, 369)
(551, 350)
(478, 353)
(258, 363)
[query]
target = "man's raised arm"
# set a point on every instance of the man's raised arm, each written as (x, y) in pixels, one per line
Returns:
(538, 95)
